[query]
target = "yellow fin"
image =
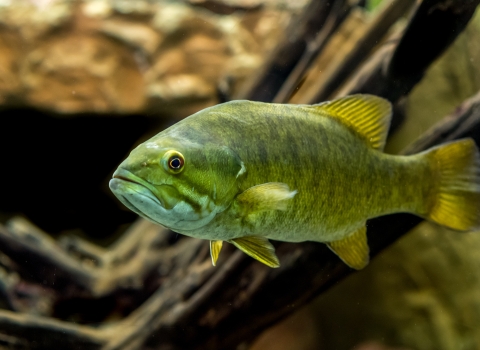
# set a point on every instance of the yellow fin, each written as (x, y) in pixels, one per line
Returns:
(258, 248)
(215, 248)
(267, 196)
(353, 250)
(456, 202)
(368, 115)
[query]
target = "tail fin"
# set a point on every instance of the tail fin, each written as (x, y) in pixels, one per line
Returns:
(457, 185)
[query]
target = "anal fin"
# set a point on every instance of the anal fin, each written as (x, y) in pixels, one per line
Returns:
(258, 248)
(353, 250)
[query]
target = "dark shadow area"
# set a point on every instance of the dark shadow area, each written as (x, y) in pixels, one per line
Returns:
(55, 170)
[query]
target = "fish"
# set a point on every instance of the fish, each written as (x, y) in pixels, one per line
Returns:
(247, 172)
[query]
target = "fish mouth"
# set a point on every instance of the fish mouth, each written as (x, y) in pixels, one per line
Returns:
(161, 204)
(165, 195)
(133, 207)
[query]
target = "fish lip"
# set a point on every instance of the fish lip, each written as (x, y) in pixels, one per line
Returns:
(119, 180)
(123, 178)
(128, 203)
(139, 212)
(127, 176)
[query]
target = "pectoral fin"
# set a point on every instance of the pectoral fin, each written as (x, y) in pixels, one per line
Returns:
(353, 250)
(215, 248)
(267, 196)
(258, 248)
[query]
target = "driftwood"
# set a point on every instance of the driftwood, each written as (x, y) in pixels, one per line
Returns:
(398, 67)
(175, 298)
(377, 29)
(300, 37)
(336, 16)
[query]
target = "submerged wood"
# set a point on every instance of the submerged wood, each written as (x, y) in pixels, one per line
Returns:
(375, 32)
(397, 68)
(301, 33)
(195, 305)
(337, 15)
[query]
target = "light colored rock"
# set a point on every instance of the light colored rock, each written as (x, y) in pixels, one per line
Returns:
(123, 56)
(79, 73)
(137, 35)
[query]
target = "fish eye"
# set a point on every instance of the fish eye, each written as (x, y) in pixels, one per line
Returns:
(173, 162)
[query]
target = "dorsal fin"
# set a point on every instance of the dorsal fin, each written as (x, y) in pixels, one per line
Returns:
(368, 115)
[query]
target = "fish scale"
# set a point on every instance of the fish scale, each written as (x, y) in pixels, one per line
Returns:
(250, 171)
(320, 161)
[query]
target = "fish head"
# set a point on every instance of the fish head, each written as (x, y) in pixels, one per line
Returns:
(177, 183)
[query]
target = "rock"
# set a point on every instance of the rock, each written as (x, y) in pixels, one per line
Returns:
(130, 57)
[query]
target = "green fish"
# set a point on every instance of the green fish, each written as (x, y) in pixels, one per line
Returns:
(245, 172)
